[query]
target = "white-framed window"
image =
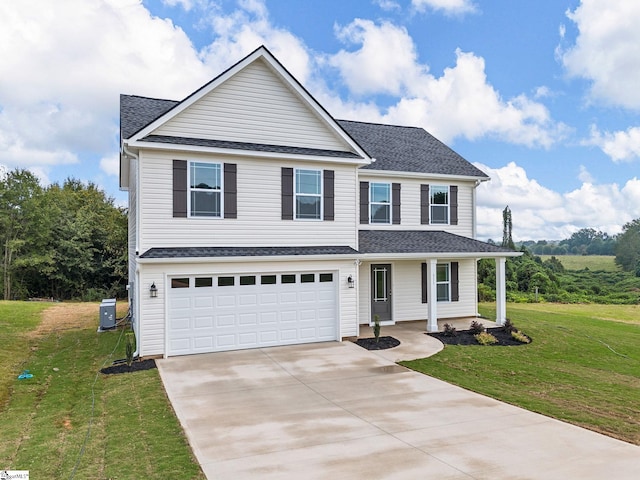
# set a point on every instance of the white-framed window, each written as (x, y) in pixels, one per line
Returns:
(308, 194)
(439, 204)
(205, 189)
(443, 282)
(380, 203)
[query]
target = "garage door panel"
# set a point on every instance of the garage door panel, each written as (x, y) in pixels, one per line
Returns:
(225, 320)
(203, 322)
(230, 316)
(251, 299)
(223, 300)
(226, 340)
(248, 319)
(181, 324)
(248, 339)
(203, 342)
(267, 318)
(202, 301)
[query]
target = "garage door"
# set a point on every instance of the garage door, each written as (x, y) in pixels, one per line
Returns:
(210, 313)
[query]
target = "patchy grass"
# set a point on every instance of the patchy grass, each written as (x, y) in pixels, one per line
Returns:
(17, 320)
(579, 368)
(133, 432)
(605, 263)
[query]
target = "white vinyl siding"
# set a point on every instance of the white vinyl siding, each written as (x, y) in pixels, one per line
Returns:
(152, 310)
(410, 205)
(258, 208)
(407, 292)
(254, 106)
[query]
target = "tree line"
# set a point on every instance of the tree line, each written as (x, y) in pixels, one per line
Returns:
(529, 278)
(63, 241)
(586, 241)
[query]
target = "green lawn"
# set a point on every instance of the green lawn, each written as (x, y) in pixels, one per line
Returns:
(605, 263)
(133, 432)
(582, 367)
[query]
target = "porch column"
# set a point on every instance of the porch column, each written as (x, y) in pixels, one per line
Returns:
(432, 296)
(501, 291)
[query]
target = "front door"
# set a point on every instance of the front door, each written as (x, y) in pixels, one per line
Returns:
(381, 292)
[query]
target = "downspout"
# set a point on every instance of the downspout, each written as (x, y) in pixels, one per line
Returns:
(136, 158)
(473, 209)
(136, 287)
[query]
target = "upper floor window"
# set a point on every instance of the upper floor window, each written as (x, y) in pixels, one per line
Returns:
(439, 201)
(308, 194)
(380, 203)
(205, 189)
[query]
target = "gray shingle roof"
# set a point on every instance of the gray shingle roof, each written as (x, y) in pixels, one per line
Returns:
(407, 149)
(395, 148)
(371, 241)
(420, 241)
(198, 252)
(138, 112)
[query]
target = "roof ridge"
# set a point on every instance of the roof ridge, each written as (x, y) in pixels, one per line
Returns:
(381, 124)
(144, 97)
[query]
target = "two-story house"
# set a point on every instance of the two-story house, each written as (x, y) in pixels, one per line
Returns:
(257, 219)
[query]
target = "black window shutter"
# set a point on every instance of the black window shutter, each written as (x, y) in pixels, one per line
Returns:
(364, 202)
(287, 193)
(328, 194)
(180, 188)
(453, 204)
(395, 203)
(230, 191)
(424, 204)
(455, 286)
(425, 280)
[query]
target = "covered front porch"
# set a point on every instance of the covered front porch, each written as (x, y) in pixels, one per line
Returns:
(409, 275)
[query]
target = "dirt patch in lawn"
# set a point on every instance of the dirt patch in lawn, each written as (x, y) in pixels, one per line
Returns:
(67, 316)
(122, 367)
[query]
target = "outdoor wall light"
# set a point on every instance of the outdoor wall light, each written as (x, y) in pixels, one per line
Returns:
(153, 290)
(351, 282)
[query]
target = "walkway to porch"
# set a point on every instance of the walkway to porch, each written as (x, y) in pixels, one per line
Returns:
(414, 342)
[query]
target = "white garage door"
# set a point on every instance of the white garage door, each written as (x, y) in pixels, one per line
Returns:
(210, 313)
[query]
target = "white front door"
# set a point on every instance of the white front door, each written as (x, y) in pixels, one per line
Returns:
(209, 313)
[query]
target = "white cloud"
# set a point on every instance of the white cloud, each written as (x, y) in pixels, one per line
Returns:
(460, 103)
(539, 213)
(387, 5)
(242, 31)
(606, 50)
(110, 164)
(448, 7)
(385, 63)
(585, 176)
(64, 65)
(620, 146)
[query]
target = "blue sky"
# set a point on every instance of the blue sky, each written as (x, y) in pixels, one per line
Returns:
(542, 95)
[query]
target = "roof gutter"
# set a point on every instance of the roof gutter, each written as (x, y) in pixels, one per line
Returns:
(245, 153)
(359, 256)
(392, 173)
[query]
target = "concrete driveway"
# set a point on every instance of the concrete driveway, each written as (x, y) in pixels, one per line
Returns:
(335, 410)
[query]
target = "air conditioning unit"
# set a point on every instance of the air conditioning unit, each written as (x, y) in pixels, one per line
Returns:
(108, 314)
